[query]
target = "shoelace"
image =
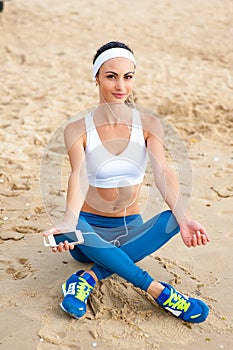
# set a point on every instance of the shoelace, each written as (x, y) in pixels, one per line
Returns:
(177, 302)
(83, 290)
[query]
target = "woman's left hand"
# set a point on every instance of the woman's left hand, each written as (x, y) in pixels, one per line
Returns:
(193, 234)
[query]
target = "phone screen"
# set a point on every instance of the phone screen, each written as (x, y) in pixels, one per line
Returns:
(69, 236)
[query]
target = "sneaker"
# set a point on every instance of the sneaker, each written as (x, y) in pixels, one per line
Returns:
(76, 291)
(187, 309)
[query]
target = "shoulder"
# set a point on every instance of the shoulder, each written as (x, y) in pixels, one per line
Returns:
(75, 132)
(152, 125)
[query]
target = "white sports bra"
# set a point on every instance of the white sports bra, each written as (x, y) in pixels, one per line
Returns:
(106, 170)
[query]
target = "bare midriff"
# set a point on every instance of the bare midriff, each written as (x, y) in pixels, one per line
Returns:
(112, 202)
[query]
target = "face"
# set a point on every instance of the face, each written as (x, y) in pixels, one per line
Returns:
(115, 79)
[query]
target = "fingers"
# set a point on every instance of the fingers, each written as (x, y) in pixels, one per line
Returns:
(63, 246)
(51, 231)
(188, 244)
(205, 236)
(58, 229)
(200, 238)
(194, 241)
(201, 230)
(71, 246)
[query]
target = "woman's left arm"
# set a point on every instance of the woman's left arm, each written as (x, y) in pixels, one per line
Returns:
(192, 232)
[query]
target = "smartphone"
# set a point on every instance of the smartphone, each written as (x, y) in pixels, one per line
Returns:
(74, 237)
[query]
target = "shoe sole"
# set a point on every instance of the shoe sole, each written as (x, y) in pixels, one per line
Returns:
(70, 313)
(63, 290)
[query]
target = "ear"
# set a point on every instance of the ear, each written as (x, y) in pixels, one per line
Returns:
(97, 81)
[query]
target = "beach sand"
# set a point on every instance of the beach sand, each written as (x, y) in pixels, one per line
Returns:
(184, 73)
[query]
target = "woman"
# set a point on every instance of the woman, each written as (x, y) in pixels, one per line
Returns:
(108, 150)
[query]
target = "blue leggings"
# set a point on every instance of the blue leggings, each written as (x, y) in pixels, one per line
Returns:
(115, 244)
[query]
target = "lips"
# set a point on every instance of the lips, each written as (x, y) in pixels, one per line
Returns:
(119, 95)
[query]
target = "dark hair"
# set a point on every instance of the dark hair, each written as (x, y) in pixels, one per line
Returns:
(111, 45)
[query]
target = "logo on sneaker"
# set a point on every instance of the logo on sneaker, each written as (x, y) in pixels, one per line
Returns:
(174, 312)
(71, 288)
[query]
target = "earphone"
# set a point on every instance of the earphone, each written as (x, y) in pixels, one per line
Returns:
(116, 241)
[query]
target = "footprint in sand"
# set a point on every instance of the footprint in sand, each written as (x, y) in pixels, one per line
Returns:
(27, 229)
(19, 232)
(16, 269)
(224, 192)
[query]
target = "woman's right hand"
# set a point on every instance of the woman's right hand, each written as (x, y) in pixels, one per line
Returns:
(63, 227)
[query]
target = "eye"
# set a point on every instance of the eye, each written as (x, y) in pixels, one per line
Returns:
(128, 77)
(110, 76)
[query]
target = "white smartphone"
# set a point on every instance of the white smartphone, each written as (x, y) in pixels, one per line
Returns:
(74, 237)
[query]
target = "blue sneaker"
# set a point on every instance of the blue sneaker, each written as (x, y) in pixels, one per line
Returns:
(76, 291)
(187, 309)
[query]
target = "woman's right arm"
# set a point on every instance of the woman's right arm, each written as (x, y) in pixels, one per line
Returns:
(77, 183)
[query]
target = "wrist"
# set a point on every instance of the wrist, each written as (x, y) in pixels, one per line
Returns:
(70, 222)
(70, 218)
(182, 218)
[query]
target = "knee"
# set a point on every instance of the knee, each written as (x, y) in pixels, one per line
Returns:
(79, 256)
(172, 226)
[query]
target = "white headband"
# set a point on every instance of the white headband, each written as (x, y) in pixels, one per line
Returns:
(108, 55)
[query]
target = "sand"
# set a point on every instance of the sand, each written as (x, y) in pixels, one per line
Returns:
(185, 59)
